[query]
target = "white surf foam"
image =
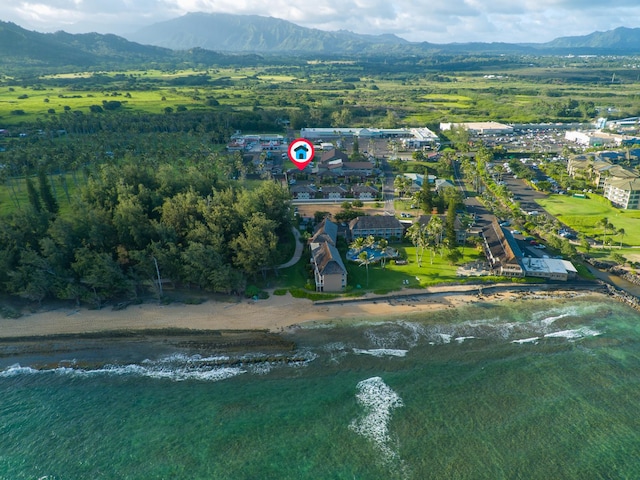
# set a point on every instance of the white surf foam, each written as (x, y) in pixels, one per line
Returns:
(381, 352)
(378, 402)
(462, 339)
(157, 371)
(574, 334)
(549, 320)
(527, 340)
(445, 337)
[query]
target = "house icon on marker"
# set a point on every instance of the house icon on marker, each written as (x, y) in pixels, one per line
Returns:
(301, 152)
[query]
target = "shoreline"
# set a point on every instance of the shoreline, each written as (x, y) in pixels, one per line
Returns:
(274, 315)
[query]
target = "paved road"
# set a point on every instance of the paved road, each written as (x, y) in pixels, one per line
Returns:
(483, 216)
(298, 252)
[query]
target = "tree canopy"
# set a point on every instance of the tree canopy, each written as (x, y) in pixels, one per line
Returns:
(200, 230)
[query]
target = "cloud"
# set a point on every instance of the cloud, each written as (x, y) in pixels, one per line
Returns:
(436, 21)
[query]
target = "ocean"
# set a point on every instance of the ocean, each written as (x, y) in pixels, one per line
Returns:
(535, 389)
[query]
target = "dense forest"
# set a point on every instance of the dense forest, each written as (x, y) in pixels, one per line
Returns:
(135, 224)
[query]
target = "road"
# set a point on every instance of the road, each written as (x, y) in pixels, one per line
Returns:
(482, 216)
(388, 191)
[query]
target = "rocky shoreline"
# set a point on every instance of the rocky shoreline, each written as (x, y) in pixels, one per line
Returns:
(622, 296)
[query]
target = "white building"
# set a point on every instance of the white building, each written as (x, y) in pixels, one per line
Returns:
(549, 268)
(623, 192)
(480, 128)
(596, 138)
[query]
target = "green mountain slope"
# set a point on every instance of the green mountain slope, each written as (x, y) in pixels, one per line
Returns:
(253, 33)
(622, 39)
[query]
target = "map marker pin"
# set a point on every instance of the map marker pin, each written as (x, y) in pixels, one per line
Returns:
(301, 152)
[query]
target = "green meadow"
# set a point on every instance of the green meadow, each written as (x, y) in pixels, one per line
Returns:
(584, 215)
(316, 93)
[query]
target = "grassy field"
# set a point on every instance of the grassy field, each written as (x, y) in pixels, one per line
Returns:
(13, 194)
(583, 215)
(370, 99)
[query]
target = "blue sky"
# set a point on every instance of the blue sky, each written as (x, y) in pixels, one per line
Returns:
(436, 21)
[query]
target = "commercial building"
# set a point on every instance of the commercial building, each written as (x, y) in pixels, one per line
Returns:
(480, 128)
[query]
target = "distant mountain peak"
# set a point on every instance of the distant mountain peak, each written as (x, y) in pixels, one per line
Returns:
(254, 33)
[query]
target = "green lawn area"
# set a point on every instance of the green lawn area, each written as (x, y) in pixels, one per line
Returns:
(392, 276)
(14, 192)
(382, 280)
(583, 214)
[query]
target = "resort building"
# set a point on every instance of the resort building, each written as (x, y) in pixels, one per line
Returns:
(329, 272)
(623, 192)
(387, 227)
(502, 251)
(303, 192)
(333, 192)
(506, 258)
(364, 192)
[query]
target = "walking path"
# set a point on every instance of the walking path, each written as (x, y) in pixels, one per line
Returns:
(298, 252)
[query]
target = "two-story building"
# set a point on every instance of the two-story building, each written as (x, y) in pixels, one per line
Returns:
(380, 226)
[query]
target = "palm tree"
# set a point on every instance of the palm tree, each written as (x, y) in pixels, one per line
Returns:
(414, 232)
(604, 223)
(365, 260)
(382, 245)
(621, 232)
(358, 244)
(435, 228)
(369, 242)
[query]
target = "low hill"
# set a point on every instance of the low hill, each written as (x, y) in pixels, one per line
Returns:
(24, 49)
(622, 40)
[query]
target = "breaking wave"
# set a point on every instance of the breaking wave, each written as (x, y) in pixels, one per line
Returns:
(378, 401)
(177, 367)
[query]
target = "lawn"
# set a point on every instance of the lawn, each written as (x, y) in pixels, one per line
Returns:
(13, 193)
(382, 280)
(393, 276)
(583, 215)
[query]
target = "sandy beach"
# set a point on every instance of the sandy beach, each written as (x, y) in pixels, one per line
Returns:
(274, 314)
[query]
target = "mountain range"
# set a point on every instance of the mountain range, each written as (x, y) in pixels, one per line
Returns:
(258, 34)
(225, 39)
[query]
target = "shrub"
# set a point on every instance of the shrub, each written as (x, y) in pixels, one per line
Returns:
(252, 291)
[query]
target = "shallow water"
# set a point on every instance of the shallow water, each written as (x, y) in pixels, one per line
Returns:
(529, 389)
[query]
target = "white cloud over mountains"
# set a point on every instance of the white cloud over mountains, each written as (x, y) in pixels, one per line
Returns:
(436, 21)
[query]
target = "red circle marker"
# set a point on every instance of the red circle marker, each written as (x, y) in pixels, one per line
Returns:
(301, 152)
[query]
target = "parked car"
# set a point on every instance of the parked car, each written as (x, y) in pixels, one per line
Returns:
(515, 232)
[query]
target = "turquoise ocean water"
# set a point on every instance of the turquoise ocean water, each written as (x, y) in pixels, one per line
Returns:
(519, 390)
